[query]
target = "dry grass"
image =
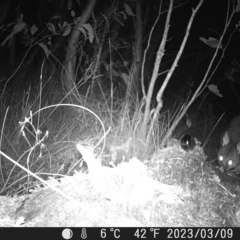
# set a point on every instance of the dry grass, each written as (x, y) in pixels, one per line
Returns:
(147, 186)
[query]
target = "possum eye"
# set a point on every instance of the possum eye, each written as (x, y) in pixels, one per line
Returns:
(230, 162)
(220, 158)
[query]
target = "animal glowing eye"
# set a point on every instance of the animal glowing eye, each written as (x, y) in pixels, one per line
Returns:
(230, 162)
(220, 158)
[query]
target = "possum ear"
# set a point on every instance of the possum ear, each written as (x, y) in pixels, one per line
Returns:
(225, 138)
(238, 147)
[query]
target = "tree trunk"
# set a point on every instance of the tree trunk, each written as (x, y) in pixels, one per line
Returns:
(72, 45)
(134, 81)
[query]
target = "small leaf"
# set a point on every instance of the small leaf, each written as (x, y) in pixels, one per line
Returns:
(69, 4)
(77, 20)
(238, 6)
(56, 17)
(10, 24)
(33, 29)
(119, 21)
(211, 42)
(60, 26)
(232, 72)
(73, 13)
(213, 88)
(49, 42)
(18, 27)
(20, 19)
(188, 122)
(65, 24)
(81, 29)
(79, 3)
(231, 78)
(88, 27)
(7, 38)
(51, 28)
(67, 30)
(128, 10)
(45, 49)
